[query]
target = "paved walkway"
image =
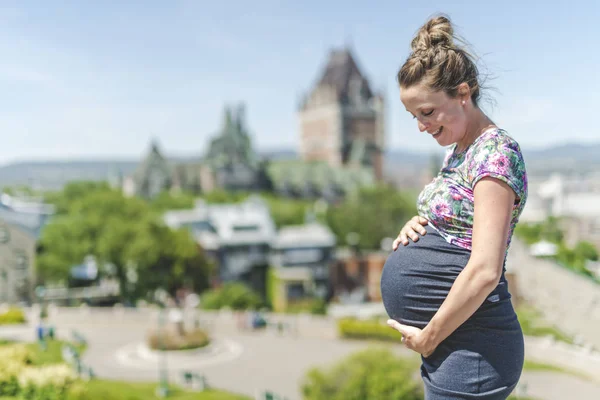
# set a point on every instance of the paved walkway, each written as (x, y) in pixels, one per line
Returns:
(262, 360)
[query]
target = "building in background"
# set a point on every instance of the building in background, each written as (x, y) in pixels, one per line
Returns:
(154, 175)
(236, 236)
(230, 163)
(574, 200)
(245, 244)
(356, 276)
(342, 120)
(300, 262)
(21, 222)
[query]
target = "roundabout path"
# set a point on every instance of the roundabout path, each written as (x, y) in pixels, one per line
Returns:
(139, 355)
(244, 362)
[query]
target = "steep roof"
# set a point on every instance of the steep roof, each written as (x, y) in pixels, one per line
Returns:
(154, 159)
(342, 69)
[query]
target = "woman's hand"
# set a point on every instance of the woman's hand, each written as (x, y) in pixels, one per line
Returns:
(414, 338)
(411, 229)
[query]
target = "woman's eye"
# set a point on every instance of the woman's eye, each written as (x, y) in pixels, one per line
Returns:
(427, 114)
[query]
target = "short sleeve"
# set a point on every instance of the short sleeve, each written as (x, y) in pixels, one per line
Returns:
(499, 157)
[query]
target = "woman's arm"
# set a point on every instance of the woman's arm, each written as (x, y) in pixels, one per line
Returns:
(493, 209)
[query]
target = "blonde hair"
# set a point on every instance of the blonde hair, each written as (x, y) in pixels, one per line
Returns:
(438, 63)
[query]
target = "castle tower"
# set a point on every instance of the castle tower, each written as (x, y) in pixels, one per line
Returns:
(341, 118)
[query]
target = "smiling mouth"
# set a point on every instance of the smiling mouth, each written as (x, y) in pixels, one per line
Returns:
(438, 132)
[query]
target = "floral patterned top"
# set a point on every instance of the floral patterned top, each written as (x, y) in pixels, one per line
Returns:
(448, 202)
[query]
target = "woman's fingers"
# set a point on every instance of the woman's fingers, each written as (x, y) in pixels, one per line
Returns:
(412, 229)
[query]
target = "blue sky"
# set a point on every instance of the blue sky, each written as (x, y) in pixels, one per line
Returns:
(100, 79)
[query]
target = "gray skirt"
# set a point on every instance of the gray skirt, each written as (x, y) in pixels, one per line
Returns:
(483, 358)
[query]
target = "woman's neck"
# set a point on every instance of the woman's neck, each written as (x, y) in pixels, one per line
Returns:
(480, 123)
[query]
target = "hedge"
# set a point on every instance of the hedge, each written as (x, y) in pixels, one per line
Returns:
(12, 316)
(367, 329)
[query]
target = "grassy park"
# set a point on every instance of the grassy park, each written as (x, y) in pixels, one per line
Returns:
(34, 355)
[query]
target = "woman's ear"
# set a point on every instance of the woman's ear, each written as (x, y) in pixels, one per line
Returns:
(464, 92)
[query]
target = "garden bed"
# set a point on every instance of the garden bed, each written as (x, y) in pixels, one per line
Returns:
(175, 340)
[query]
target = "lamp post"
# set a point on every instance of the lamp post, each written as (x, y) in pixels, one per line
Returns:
(163, 386)
(40, 292)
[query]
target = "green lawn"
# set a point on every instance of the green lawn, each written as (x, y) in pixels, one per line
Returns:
(112, 390)
(533, 324)
(52, 354)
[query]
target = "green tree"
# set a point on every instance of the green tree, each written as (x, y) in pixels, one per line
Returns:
(373, 213)
(287, 211)
(166, 201)
(73, 192)
(551, 230)
(586, 251)
(573, 260)
(224, 196)
(529, 233)
(125, 233)
(234, 295)
(369, 374)
(64, 242)
(169, 259)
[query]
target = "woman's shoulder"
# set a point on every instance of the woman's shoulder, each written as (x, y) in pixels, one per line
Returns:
(496, 137)
(495, 141)
(498, 154)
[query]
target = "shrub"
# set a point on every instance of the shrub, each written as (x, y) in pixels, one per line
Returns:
(367, 329)
(12, 316)
(49, 382)
(19, 376)
(13, 358)
(369, 374)
(236, 296)
(532, 324)
(175, 340)
(313, 306)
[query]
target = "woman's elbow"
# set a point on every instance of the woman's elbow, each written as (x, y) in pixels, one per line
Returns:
(487, 275)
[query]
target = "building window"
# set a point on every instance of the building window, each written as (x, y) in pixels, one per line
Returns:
(4, 235)
(295, 291)
(21, 260)
(302, 256)
(245, 228)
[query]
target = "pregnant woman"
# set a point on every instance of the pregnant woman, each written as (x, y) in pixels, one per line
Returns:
(445, 291)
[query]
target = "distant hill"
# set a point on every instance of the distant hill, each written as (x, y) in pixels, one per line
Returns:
(573, 157)
(580, 151)
(54, 174)
(570, 157)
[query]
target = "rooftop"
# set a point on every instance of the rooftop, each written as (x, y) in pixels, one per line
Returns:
(309, 235)
(341, 71)
(225, 224)
(30, 214)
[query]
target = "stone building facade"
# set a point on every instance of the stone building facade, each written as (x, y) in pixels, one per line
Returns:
(342, 120)
(21, 221)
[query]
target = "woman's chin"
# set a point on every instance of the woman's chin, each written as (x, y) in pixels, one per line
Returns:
(444, 141)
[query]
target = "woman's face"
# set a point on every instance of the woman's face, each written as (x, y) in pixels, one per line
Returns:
(442, 117)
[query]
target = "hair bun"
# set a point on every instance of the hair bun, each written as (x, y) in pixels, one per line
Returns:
(436, 32)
